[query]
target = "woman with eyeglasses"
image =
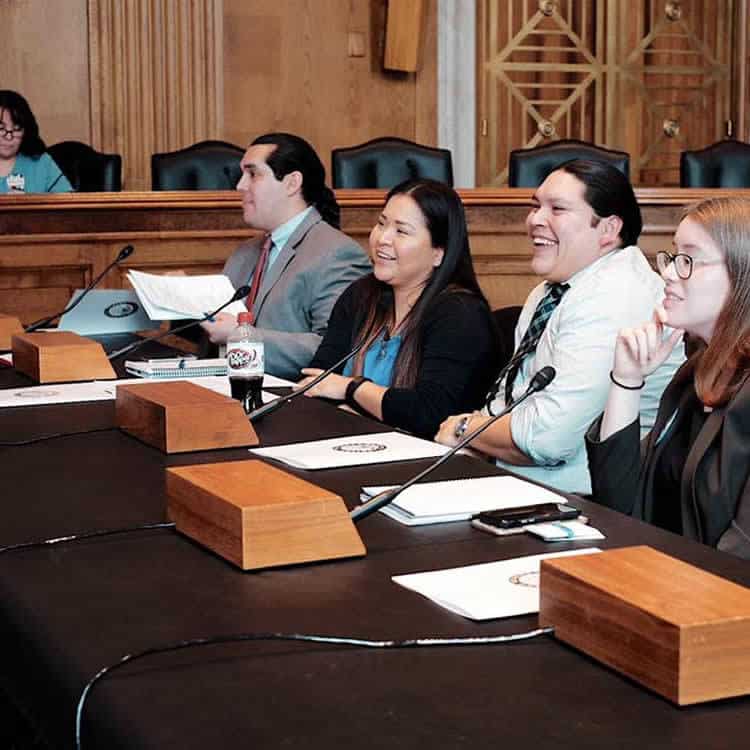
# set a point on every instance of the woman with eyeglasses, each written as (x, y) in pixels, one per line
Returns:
(25, 165)
(691, 474)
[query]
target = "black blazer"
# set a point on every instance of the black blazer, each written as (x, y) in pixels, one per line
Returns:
(714, 491)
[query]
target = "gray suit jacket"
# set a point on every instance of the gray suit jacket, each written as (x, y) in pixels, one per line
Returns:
(299, 290)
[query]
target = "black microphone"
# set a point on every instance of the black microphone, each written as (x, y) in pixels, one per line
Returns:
(42, 322)
(271, 406)
(241, 293)
(539, 382)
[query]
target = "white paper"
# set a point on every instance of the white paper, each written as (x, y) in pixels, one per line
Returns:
(176, 297)
(355, 450)
(54, 393)
(7, 357)
(482, 592)
(460, 499)
(98, 390)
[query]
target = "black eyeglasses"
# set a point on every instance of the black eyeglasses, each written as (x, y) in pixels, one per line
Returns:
(10, 132)
(683, 263)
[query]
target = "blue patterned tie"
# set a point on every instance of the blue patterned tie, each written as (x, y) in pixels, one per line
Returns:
(530, 339)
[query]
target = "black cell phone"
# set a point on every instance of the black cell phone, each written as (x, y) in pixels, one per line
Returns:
(526, 514)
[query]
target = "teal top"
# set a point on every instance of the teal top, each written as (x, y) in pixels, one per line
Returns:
(379, 360)
(35, 175)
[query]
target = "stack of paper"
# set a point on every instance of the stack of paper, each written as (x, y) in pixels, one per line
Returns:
(482, 592)
(179, 367)
(176, 297)
(376, 448)
(460, 499)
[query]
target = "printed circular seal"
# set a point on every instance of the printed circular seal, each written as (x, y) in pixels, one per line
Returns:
(529, 579)
(121, 309)
(360, 447)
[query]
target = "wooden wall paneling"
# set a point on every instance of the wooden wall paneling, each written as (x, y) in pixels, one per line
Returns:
(46, 60)
(287, 67)
(156, 78)
(426, 81)
(650, 77)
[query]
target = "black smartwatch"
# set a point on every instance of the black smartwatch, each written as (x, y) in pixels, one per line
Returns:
(351, 389)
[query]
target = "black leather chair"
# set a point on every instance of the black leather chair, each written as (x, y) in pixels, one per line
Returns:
(88, 170)
(529, 167)
(208, 165)
(385, 162)
(724, 164)
(506, 319)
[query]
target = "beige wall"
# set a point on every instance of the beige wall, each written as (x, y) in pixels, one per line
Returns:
(113, 73)
(45, 58)
(287, 67)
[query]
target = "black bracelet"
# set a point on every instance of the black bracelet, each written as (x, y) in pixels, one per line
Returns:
(351, 388)
(623, 386)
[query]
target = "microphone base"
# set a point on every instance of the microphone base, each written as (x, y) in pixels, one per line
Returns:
(60, 357)
(257, 516)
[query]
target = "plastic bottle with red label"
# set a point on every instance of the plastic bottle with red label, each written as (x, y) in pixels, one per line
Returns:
(245, 364)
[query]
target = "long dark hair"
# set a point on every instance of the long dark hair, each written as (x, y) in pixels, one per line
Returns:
(444, 216)
(295, 154)
(20, 112)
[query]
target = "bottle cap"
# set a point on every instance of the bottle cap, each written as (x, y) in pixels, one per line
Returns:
(245, 319)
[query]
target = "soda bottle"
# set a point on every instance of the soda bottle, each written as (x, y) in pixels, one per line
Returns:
(245, 364)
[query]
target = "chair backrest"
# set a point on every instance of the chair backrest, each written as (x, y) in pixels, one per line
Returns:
(386, 162)
(506, 319)
(208, 165)
(724, 164)
(529, 167)
(88, 170)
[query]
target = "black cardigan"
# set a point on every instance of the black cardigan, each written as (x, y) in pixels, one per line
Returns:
(459, 358)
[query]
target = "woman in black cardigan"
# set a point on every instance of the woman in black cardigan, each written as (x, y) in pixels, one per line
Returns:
(430, 345)
(691, 473)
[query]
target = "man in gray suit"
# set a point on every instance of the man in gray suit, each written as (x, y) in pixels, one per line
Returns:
(307, 262)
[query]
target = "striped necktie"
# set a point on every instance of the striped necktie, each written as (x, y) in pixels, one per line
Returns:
(530, 339)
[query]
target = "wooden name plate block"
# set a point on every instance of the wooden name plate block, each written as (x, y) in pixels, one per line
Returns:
(675, 628)
(8, 327)
(257, 516)
(178, 416)
(60, 357)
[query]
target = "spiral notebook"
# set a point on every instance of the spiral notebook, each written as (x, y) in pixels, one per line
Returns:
(180, 367)
(460, 499)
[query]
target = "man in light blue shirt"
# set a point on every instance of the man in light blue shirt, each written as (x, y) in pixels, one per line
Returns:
(583, 225)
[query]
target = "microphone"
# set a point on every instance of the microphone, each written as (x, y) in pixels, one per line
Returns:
(42, 322)
(271, 406)
(539, 382)
(241, 293)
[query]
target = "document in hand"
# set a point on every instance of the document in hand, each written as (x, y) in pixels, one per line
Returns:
(175, 297)
(376, 448)
(460, 499)
(483, 592)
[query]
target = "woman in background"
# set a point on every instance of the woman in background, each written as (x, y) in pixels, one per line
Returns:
(25, 165)
(690, 475)
(430, 347)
